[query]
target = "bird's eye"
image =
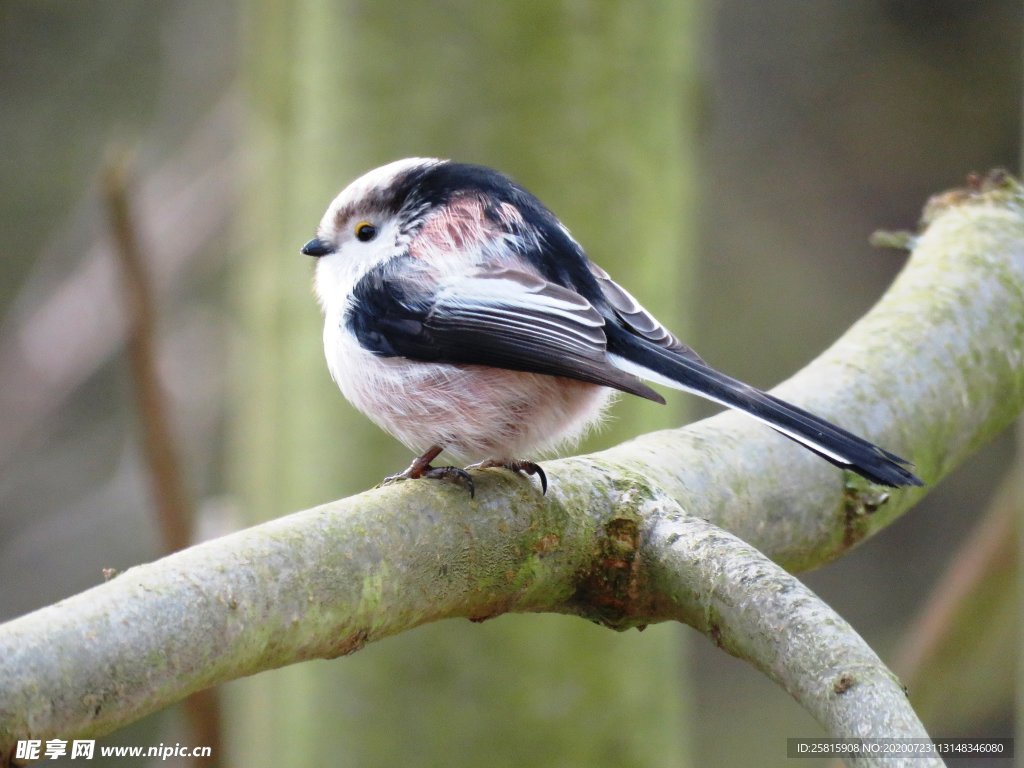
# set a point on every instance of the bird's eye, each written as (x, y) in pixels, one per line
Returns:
(365, 231)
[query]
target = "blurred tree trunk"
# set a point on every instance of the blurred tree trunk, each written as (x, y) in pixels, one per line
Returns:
(589, 105)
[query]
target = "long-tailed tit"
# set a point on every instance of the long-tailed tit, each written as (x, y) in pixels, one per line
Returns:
(461, 316)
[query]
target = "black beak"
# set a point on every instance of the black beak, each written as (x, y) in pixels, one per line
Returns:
(317, 247)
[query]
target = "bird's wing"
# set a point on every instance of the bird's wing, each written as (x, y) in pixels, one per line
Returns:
(635, 318)
(504, 319)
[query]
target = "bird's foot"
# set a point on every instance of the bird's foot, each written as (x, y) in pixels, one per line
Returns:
(519, 466)
(420, 467)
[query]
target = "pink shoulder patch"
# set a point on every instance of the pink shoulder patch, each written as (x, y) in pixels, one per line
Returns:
(458, 226)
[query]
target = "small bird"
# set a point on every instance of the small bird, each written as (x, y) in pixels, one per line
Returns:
(461, 316)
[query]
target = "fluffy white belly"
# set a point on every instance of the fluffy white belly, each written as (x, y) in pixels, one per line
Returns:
(475, 412)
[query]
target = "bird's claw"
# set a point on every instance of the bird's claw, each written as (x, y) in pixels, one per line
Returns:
(451, 474)
(519, 466)
(420, 467)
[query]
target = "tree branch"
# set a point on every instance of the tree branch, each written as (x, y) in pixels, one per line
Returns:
(195, 185)
(958, 645)
(167, 483)
(933, 371)
(753, 609)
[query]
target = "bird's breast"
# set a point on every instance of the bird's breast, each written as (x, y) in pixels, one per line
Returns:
(474, 411)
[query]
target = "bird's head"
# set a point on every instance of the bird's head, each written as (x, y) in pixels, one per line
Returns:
(453, 219)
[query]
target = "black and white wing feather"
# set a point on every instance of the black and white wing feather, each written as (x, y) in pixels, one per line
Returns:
(504, 319)
(633, 316)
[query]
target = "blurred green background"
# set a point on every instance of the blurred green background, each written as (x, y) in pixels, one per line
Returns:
(725, 160)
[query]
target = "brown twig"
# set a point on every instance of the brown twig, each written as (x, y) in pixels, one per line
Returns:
(170, 496)
(174, 509)
(39, 375)
(989, 550)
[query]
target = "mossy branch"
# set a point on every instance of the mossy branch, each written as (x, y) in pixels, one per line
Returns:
(630, 536)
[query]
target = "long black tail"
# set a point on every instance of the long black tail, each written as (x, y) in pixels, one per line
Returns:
(832, 443)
